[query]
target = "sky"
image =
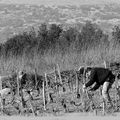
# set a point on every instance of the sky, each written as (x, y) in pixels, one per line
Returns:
(58, 2)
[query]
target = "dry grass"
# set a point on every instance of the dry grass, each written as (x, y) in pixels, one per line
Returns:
(71, 60)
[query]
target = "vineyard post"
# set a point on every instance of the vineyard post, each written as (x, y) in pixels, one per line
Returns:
(35, 77)
(77, 83)
(0, 83)
(72, 82)
(1, 100)
(44, 103)
(84, 80)
(19, 91)
(18, 86)
(58, 68)
(56, 87)
(47, 87)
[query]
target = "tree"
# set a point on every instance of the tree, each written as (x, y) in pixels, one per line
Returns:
(116, 35)
(91, 35)
(54, 33)
(43, 42)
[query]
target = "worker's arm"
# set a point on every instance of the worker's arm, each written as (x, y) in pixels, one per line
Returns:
(92, 79)
(96, 86)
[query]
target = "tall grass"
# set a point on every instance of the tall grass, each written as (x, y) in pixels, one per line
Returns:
(70, 49)
(70, 60)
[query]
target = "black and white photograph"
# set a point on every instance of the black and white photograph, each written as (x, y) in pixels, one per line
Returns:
(59, 59)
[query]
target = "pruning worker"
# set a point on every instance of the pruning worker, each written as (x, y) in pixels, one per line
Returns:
(100, 76)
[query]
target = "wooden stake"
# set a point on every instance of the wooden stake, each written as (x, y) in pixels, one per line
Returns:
(72, 82)
(69, 84)
(0, 83)
(35, 78)
(47, 87)
(55, 79)
(44, 95)
(58, 68)
(84, 76)
(84, 79)
(1, 100)
(77, 84)
(18, 92)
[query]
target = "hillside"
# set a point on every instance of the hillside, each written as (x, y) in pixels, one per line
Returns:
(59, 2)
(19, 17)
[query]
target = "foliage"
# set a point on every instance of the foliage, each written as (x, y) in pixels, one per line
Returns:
(55, 39)
(116, 36)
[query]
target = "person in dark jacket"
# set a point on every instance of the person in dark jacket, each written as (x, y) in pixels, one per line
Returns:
(100, 76)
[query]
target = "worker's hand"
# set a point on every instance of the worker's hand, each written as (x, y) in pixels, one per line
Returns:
(84, 87)
(91, 90)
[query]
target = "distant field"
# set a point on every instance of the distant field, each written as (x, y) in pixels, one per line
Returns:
(16, 18)
(60, 2)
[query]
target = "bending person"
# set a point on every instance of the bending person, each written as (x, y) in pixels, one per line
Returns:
(100, 76)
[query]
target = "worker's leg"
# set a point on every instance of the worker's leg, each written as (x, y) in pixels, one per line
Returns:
(105, 92)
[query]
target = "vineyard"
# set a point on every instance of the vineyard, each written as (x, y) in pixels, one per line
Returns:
(58, 93)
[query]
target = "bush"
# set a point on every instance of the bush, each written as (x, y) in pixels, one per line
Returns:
(54, 39)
